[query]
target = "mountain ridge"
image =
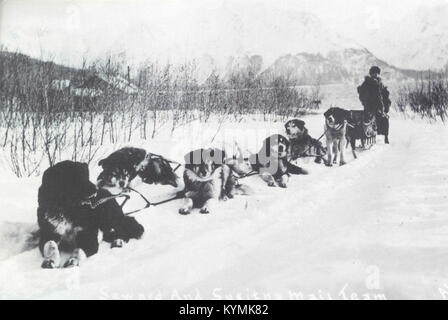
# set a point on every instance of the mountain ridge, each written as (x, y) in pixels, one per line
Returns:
(346, 66)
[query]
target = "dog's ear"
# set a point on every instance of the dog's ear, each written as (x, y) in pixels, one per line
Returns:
(328, 113)
(239, 152)
(300, 124)
(303, 128)
(102, 162)
(140, 154)
(281, 139)
(51, 177)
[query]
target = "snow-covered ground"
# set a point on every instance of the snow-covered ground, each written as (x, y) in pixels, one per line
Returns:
(375, 228)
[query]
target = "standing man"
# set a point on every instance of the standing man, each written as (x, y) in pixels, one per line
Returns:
(374, 97)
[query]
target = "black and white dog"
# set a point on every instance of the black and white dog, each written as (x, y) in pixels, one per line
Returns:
(207, 180)
(70, 216)
(271, 162)
(124, 165)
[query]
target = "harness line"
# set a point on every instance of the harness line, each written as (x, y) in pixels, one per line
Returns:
(309, 148)
(148, 203)
(179, 194)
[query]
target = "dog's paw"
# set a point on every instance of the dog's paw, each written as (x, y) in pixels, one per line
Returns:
(49, 264)
(52, 257)
(118, 243)
(184, 211)
(78, 256)
(328, 164)
(204, 210)
(282, 185)
(271, 184)
(71, 263)
(342, 163)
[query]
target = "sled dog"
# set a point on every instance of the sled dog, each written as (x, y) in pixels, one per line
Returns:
(69, 221)
(336, 120)
(124, 165)
(271, 162)
(207, 179)
(301, 143)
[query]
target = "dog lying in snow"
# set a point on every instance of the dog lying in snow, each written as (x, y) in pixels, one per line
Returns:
(271, 162)
(336, 120)
(69, 220)
(301, 143)
(124, 165)
(208, 179)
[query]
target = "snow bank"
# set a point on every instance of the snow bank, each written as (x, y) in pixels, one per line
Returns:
(375, 228)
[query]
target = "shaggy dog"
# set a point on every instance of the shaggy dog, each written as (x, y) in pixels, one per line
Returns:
(301, 143)
(295, 129)
(207, 179)
(271, 162)
(336, 120)
(69, 220)
(122, 166)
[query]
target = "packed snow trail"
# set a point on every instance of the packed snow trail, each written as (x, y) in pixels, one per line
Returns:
(375, 228)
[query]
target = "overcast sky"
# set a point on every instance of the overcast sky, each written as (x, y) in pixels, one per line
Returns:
(65, 27)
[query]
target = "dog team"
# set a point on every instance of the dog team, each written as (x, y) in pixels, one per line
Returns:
(72, 211)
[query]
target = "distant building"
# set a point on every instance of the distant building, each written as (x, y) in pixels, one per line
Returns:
(83, 94)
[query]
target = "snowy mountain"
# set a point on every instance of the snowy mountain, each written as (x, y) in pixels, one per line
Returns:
(229, 38)
(348, 65)
(296, 44)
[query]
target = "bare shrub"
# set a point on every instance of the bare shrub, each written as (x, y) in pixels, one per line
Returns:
(425, 97)
(43, 121)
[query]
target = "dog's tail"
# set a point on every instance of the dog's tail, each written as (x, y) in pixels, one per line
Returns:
(17, 238)
(293, 169)
(32, 241)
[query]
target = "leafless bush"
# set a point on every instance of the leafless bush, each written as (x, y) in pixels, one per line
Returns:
(43, 122)
(426, 97)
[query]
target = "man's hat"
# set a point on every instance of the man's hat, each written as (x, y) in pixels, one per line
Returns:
(374, 70)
